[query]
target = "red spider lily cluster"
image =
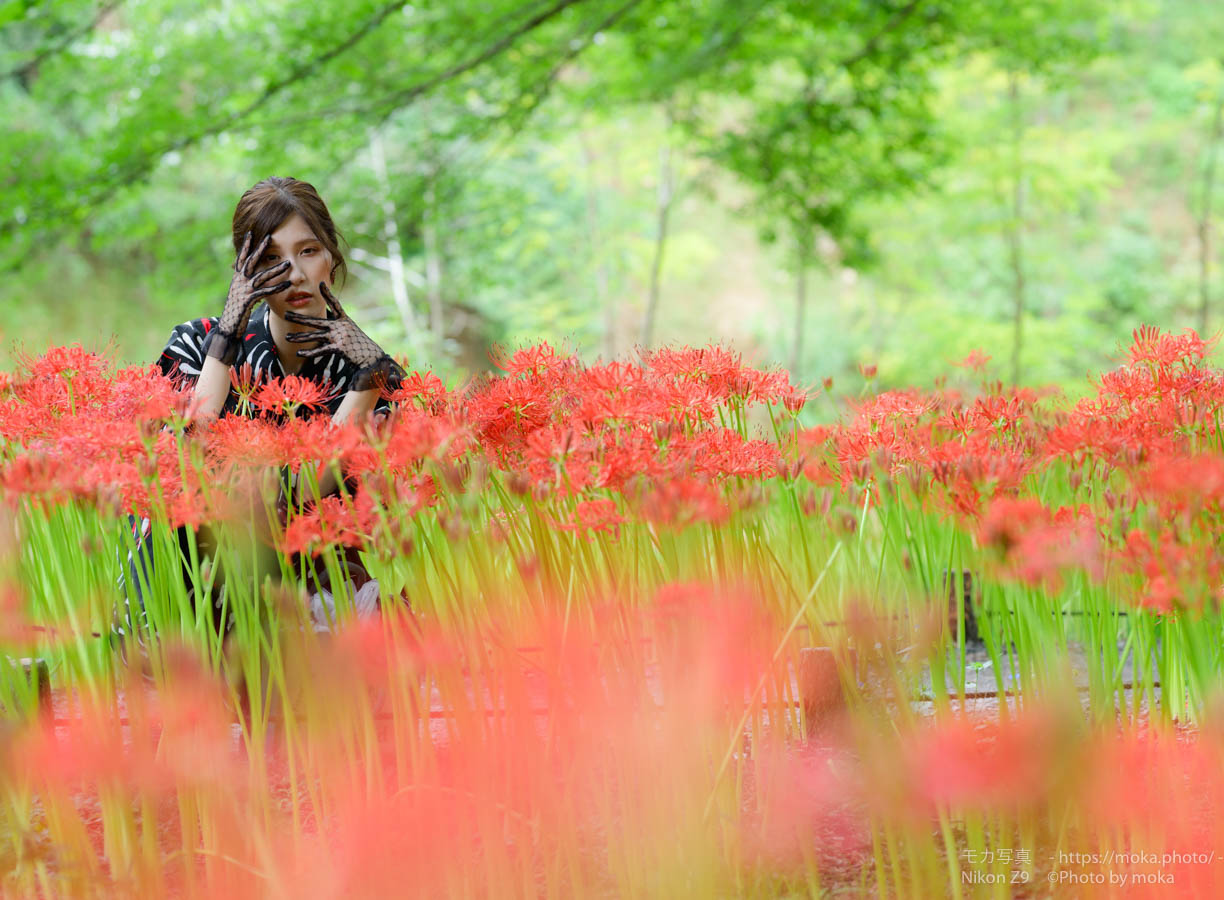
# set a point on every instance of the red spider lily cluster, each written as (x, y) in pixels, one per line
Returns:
(587, 756)
(1140, 460)
(667, 442)
(606, 441)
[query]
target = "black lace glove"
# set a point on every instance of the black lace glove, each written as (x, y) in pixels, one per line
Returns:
(375, 369)
(246, 289)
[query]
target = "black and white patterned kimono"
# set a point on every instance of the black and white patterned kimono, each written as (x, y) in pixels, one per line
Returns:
(183, 359)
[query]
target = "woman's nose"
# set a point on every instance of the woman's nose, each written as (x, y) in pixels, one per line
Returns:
(296, 274)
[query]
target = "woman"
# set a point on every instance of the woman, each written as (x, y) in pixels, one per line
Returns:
(288, 258)
(281, 318)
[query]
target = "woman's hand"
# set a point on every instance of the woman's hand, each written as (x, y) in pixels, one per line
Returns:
(246, 289)
(341, 335)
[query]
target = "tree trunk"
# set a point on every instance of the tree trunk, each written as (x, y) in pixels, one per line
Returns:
(804, 261)
(663, 207)
(395, 256)
(1015, 232)
(433, 266)
(602, 299)
(1204, 222)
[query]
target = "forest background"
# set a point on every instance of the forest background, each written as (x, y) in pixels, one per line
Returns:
(828, 186)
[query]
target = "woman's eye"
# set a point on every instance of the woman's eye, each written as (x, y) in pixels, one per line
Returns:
(268, 257)
(308, 250)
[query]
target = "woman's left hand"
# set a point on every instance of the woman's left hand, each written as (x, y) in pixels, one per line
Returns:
(341, 335)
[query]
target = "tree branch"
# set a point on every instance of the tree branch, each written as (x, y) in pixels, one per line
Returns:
(576, 48)
(873, 43)
(385, 107)
(25, 71)
(295, 74)
(140, 167)
(406, 95)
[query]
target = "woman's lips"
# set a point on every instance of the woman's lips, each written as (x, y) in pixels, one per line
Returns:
(300, 299)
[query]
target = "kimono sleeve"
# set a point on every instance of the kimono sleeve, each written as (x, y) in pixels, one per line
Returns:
(183, 357)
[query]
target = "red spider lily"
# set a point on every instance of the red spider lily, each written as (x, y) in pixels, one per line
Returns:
(611, 378)
(77, 375)
(1037, 546)
(610, 411)
(333, 521)
(284, 396)
(553, 443)
(715, 642)
(83, 457)
(721, 371)
(180, 739)
(508, 408)
(540, 360)
(408, 438)
(721, 452)
(755, 386)
(424, 390)
(991, 414)
(1163, 403)
(977, 763)
(811, 808)
(239, 441)
(401, 496)
(599, 515)
(794, 399)
(583, 740)
(1008, 520)
(689, 403)
(1152, 346)
(1183, 485)
(814, 456)
(975, 362)
(143, 394)
(1165, 793)
(555, 456)
(39, 406)
(634, 455)
(87, 434)
(316, 440)
(243, 383)
(815, 437)
(678, 502)
(706, 364)
(1172, 573)
(608, 404)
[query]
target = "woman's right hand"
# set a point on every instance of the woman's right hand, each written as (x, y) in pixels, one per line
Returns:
(248, 287)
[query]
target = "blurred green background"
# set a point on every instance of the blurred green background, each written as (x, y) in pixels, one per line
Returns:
(822, 185)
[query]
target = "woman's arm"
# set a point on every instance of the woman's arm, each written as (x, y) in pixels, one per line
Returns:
(211, 389)
(247, 288)
(356, 405)
(376, 370)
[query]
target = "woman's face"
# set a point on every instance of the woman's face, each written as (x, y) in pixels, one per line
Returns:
(309, 263)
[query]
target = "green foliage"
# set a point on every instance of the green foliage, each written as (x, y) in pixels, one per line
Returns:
(871, 140)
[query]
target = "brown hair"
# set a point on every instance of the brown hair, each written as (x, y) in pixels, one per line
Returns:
(263, 208)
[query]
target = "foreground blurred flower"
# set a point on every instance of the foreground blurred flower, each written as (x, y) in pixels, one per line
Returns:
(1037, 546)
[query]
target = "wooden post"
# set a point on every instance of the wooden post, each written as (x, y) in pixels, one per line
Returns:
(820, 690)
(37, 674)
(961, 588)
